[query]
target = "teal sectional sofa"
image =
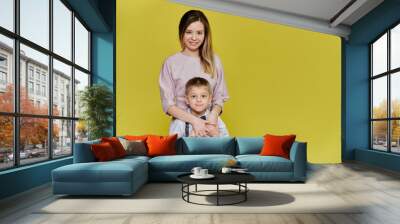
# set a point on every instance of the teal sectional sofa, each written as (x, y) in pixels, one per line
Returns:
(125, 176)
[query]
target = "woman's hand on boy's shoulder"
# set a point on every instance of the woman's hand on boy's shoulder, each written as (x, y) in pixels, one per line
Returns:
(212, 130)
(200, 127)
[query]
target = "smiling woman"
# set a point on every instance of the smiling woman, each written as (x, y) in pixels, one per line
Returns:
(196, 59)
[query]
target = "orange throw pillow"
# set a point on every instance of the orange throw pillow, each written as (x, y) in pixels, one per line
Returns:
(161, 145)
(277, 145)
(103, 152)
(116, 145)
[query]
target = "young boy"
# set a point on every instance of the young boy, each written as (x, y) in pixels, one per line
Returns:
(198, 97)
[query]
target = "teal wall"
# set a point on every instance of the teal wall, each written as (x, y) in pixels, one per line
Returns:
(99, 15)
(103, 62)
(356, 86)
(24, 178)
(103, 47)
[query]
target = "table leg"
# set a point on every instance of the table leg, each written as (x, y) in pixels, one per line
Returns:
(217, 194)
(196, 188)
(245, 193)
(182, 190)
(188, 190)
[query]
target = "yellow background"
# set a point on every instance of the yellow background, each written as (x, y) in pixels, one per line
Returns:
(281, 80)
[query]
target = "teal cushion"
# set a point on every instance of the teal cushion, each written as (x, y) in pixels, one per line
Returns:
(133, 157)
(111, 171)
(206, 145)
(249, 145)
(185, 163)
(257, 163)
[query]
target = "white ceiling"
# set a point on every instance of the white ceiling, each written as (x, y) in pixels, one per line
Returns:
(316, 15)
(319, 9)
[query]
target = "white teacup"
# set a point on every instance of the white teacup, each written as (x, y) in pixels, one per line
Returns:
(203, 172)
(196, 171)
(226, 170)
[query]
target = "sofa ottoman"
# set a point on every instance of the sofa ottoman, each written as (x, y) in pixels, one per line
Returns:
(88, 177)
(119, 177)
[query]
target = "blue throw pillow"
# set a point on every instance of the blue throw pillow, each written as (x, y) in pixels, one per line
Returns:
(249, 145)
(83, 152)
(206, 145)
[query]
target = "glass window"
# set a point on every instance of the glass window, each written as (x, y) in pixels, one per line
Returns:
(30, 87)
(6, 73)
(3, 60)
(3, 78)
(34, 21)
(395, 47)
(30, 71)
(81, 45)
(43, 90)
(7, 14)
(34, 79)
(40, 62)
(62, 137)
(379, 135)
(379, 100)
(6, 142)
(37, 89)
(385, 92)
(62, 75)
(34, 145)
(81, 131)
(379, 56)
(62, 29)
(81, 81)
(395, 95)
(56, 110)
(37, 75)
(395, 136)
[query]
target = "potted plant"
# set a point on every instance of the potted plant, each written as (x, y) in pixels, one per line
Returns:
(97, 103)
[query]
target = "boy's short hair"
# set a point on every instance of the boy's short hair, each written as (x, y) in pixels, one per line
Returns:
(197, 82)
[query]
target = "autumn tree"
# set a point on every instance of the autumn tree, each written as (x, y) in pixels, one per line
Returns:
(380, 127)
(33, 131)
(6, 122)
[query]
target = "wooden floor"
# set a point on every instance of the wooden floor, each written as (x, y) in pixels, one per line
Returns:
(377, 188)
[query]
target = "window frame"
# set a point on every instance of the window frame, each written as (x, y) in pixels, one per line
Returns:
(388, 74)
(16, 114)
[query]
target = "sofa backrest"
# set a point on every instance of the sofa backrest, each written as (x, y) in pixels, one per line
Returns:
(83, 152)
(249, 145)
(191, 146)
(205, 145)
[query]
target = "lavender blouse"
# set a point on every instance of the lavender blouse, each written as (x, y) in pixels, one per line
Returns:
(177, 70)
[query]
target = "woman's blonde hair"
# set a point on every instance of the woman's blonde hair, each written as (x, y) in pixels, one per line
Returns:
(206, 50)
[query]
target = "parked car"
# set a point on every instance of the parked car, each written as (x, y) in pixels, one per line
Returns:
(22, 155)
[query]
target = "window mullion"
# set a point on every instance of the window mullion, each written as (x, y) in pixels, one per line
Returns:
(16, 84)
(371, 136)
(389, 101)
(50, 77)
(73, 82)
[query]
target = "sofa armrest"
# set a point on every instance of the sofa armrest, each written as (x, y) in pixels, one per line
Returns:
(298, 155)
(83, 152)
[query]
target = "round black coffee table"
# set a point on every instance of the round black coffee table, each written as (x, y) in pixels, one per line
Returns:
(238, 179)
